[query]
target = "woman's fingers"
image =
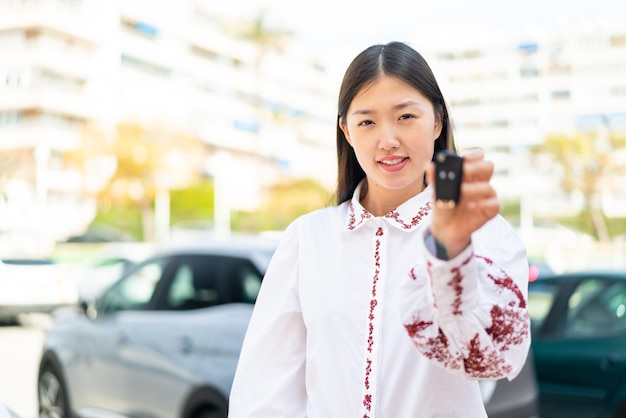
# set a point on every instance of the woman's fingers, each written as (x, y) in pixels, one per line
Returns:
(477, 170)
(477, 190)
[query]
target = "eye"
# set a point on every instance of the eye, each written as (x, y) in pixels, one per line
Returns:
(365, 123)
(407, 116)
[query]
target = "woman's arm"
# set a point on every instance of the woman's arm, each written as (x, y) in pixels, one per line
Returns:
(469, 314)
(269, 382)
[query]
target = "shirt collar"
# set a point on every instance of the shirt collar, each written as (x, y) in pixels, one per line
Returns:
(405, 217)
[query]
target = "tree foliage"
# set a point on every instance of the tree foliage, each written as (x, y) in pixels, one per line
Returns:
(590, 165)
(145, 160)
(285, 202)
(267, 38)
(150, 159)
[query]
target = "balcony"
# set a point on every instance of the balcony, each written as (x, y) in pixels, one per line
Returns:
(73, 20)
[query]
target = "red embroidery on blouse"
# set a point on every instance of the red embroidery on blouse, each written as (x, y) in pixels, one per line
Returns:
(455, 284)
(367, 400)
(485, 363)
(438, 350)
(394, 215)
(507, 283)
(508, 327)
(417, 327)
(353, 222)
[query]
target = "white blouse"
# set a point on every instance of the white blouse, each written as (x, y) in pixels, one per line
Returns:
(357, 319)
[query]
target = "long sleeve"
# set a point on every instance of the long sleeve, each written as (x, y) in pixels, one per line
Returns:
(469, 314)
(270, 377)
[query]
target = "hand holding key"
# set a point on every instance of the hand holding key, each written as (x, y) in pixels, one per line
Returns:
(456, 217)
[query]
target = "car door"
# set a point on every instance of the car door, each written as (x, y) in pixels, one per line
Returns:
(176, 345)
(579, 351)
(105, 340)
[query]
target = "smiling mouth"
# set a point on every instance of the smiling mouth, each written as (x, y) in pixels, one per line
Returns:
(395, 161)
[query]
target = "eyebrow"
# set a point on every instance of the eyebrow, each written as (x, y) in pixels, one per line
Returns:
(399, 106)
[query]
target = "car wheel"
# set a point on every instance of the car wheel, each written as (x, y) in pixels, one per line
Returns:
(53, 400)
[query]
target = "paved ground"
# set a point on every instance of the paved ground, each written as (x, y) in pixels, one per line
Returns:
(20, 347)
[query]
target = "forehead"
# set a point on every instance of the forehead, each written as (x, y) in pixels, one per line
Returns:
(388, 90)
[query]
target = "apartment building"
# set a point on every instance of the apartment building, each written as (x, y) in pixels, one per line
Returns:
(509, 89)
(67, 64)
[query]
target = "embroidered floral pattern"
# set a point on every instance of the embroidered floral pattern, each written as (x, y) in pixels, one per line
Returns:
(367, 399)
(506, 283)
(352, 222)
(434, 348)
(508, 326)
(357, 216)
(423, 211)
(417, 327)
(455, 284)
(484, 362)
(483, 352)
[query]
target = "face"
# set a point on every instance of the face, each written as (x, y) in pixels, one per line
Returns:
(392, 128)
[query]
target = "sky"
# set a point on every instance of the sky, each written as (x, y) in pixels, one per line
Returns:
(345, 27)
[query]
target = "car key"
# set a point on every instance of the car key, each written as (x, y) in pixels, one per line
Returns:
(448, 174)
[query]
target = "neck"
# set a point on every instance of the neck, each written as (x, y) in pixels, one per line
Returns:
(379, 201)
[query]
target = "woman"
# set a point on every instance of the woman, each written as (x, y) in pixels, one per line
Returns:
(388, 305)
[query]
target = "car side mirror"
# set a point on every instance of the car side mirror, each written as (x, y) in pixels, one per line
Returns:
(88, 308)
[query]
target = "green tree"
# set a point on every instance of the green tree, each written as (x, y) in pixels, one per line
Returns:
(589, 166)
(267, 38)
(286, 201)
(147, 162)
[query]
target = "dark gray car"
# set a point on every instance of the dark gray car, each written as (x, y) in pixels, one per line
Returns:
(513, 399)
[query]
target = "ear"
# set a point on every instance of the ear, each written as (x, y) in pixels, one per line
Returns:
(438, 125)
(344, 129)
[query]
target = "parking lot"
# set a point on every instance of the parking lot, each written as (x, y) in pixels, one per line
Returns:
(20, 347)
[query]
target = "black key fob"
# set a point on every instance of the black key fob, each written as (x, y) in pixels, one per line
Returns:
(448, 174)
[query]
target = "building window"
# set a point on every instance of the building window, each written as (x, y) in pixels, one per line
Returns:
(142, 29)
(8, 118)
(529, 72)
(249, 125)
(145, 67)
(528, 48)
(500, 123)
(559, 95)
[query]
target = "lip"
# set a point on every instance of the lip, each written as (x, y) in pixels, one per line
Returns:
(386, 165)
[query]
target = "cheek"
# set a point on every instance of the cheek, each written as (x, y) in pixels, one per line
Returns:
(364, 155)
(360, 154)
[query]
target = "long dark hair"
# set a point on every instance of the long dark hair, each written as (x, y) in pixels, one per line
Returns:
(398, 60)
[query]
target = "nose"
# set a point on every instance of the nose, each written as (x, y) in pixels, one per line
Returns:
(388, 139)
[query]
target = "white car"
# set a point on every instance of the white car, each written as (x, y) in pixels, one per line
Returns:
(163, 341)
(103, 267)
(5, 412)
(34, 286)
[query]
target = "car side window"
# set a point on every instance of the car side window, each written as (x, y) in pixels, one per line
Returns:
(596, 308)
(134, 291)
(541, 296)
(201, 281)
